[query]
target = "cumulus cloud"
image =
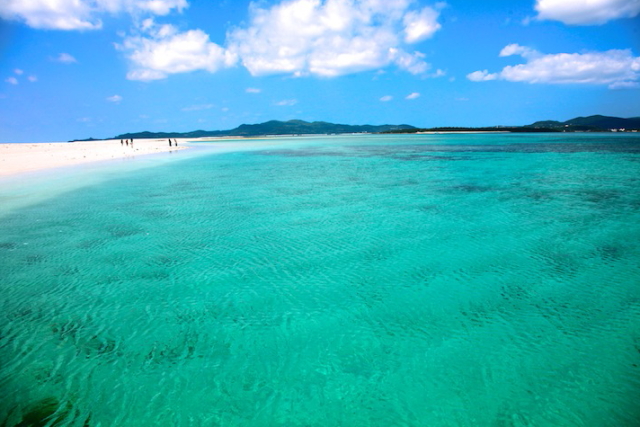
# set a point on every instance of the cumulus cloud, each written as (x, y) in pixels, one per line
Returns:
(414, 95)
(333, 37)
(65, 58)
(420, 25)
(32, 79)
(79, 14)
(516, 49)
(253, 90)
(18, 71)
(299, 37)
(162, 50)
(586, 12)
(11, 80)
(59, 15)
(412, 63)
(482, 76)
(386, 98)
(615, 68)
(114, 98)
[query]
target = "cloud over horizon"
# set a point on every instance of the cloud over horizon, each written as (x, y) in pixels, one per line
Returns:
(616, 68)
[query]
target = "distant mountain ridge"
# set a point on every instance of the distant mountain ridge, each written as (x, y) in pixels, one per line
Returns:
(597, 123)
(273, 127)
(593, 123)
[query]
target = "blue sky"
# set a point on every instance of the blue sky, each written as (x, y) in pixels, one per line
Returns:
(77, 68)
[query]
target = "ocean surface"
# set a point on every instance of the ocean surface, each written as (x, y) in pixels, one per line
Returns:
(420, 280)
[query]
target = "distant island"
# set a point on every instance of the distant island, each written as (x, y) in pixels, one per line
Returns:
(272, 128)
(300, 127)
(595, 123)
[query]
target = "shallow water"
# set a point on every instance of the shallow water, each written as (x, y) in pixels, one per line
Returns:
(440, 280)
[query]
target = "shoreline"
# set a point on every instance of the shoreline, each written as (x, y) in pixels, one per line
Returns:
(18, 158)
(21, 158)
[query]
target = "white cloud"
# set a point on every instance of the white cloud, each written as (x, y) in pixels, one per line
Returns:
(615, 68)
(253, 90)
(80, 14)
(32, 79)
(481, 76)
(624, 85)
(65, 58)
(18, 71)
(412, 63)
(421, 25)
(156, 7)
(114, 98)
(332, 37)
(11, 80)
(299, 37)
(199, 107)
(586, 12)
(57, 14)
(163, 51)
(386, 98)
(286, 103)
(414, 95)
(516, 49)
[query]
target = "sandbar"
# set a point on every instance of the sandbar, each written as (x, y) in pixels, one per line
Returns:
(27, 157)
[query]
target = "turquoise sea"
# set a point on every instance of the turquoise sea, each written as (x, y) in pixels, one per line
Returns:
(420, 280)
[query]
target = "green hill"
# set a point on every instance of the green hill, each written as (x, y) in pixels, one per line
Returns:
(590, 123)
(597, 123)
(273, 127)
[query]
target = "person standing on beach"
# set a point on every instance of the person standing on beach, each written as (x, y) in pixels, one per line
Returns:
(121, 142)
(175, 142)
(169, 142)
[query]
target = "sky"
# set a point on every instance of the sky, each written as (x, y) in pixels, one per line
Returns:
(73, 69)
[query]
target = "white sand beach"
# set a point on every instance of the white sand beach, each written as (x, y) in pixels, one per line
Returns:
(27, 157)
